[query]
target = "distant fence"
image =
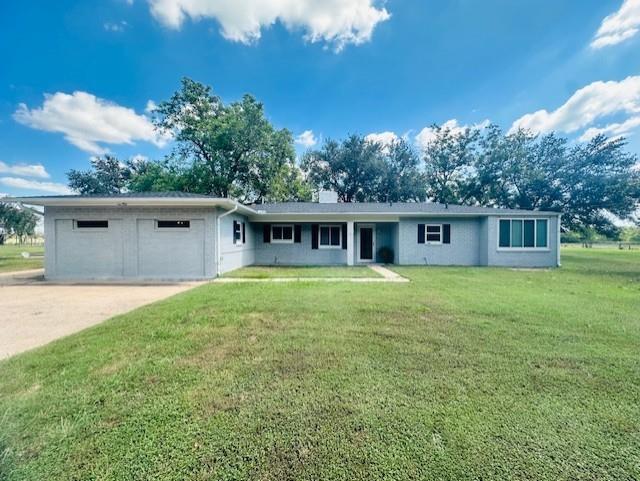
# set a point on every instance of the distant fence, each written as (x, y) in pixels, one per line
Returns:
(604, 245)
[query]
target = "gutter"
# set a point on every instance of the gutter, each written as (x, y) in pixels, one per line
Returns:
(218, 247)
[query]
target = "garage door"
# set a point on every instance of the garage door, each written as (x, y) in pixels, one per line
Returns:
(171, 248)
(89, 248)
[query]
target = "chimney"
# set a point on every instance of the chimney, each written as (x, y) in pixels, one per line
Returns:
(327, 197)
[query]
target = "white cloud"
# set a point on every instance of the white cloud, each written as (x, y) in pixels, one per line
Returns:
(115, 26)
(138, 158)
(427, 135)
(616, 129)
(336, 22)
(150, 107)
(3, 194)
(27, 184)
(27, 170)
(88, 121)
(619, 26)
(306, 139)
(588, 104)
(383, 138)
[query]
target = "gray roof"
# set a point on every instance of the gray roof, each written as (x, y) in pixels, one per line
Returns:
(384, 208)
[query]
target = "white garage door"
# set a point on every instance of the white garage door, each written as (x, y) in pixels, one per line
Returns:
(171, 248)
(89, 248)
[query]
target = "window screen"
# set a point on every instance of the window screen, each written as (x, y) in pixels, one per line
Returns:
(282, 233)
(529, 233)
(505, 233)
(516, 233)
(330, 235)
(434, 233)
(541, 232)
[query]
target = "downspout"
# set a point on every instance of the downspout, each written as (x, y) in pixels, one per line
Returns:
(559, 242)
(218, 247)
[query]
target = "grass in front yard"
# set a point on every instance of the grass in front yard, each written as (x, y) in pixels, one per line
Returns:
(464, 373)
(271, 272)
(11, 257)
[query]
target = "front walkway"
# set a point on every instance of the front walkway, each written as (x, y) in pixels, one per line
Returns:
(386, 276)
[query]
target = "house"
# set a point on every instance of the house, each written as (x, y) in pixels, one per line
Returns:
(188, 236)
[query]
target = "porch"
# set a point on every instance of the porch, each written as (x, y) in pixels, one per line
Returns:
(326, 243)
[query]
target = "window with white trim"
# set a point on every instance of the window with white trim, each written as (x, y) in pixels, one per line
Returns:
(282, 233)
(330, 237)
(237, 232)
(523, 234)
(433, 233)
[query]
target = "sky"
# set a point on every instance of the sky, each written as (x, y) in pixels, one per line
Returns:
(78, 78)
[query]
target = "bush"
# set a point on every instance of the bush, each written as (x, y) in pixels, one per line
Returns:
(385, 254)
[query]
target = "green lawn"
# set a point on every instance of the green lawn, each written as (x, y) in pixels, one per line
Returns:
(464, 373)
(11, 258)
(268, 272)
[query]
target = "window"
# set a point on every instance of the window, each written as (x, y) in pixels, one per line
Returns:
(523, 233)
(92, 224)
(330, 236)
(238, 227)
(173, 224)
(282, 234)
(433, 233)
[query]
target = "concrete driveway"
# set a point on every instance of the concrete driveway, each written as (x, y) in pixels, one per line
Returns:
(34, 312)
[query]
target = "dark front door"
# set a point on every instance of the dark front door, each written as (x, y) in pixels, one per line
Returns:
(366, 243)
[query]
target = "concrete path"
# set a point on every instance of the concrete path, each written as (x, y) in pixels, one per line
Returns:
(387, 276)
(34, 312)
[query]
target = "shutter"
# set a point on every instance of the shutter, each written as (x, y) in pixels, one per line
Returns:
(266, 233)
(297, 233)
(244, 238)
(314, 236)
(446, 233)
(233, 234)
(420, 233)
(344, 236)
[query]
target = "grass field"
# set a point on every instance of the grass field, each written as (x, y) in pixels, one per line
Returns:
(266, 272)
(11, 258)
(464, 373)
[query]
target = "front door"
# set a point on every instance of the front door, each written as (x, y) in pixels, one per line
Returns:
(366, 243)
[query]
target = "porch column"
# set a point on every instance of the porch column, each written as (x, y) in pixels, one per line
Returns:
(350, 247)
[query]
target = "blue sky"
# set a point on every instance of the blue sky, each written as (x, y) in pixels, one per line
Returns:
(76, 76)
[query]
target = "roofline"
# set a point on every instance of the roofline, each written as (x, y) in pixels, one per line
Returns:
(255, 213)
(53, 201)
(352, 215)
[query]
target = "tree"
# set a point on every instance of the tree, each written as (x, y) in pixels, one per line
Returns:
(519, 170)
(352, 168)
(448, 160)
(107, 176)
(223, 150)
(402, 180)
(600, 180)
(19, 222)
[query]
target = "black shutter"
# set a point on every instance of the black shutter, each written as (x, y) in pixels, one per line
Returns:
(233, 235)
(297, 233)
(420, 233)
(266, 233)
(244, 238)
(314, 236)
(344, 236)
(446, 233)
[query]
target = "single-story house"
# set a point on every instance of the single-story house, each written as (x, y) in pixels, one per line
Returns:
(176, 235)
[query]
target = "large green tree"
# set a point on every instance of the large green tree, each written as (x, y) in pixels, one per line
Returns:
(360, 170)
(448, 160)
(227, 150)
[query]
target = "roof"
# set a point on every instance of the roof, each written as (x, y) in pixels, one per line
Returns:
(272, 210)
(396, 208)
(140, 199)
